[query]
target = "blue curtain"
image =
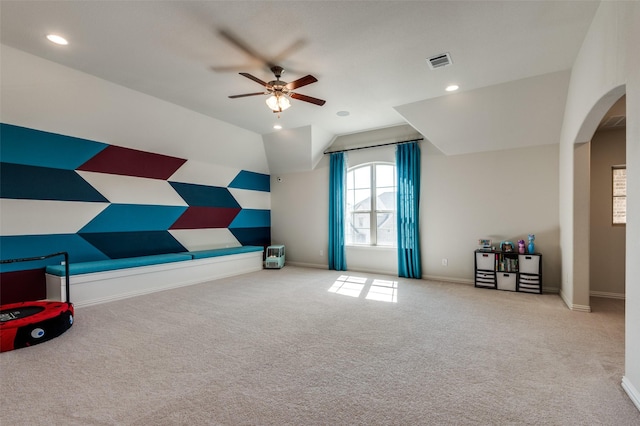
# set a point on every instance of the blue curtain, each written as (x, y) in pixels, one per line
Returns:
(337, 189)
(408, 202)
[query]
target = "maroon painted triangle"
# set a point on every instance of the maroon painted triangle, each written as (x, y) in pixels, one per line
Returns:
(206, 217)
(130, 162)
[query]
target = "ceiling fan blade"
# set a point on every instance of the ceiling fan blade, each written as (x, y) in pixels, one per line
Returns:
(306, 98)
(308, 79)
(235, 68)
(295, 46)
(247, 94)
(245, 47)
(256, 79)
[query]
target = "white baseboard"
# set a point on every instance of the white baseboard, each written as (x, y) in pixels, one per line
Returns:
(573, 307)
(107, 286)
(631, 390)
(448, 279)
(325, 266)
(607, 295)
(580, 308)
(307, 265)
(373, 271)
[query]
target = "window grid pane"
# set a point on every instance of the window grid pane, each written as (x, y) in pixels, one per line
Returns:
(362, 177)
(371, 205)
(619, 192)
(385, 175)
(361, 228)
(386, 230)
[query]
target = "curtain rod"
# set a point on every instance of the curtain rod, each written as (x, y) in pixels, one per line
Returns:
(373, 146)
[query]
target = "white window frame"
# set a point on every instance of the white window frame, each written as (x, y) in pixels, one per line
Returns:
(374, 211)
(619, 193)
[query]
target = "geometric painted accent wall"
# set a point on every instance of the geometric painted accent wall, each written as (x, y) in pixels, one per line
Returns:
(98, 201)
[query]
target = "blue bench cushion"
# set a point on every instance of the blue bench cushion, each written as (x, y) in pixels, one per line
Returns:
(113, 264)
(202, 254)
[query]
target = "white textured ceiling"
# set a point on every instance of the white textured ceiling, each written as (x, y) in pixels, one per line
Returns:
(369, 58)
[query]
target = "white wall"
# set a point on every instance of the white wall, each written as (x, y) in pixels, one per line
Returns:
(607, 66)
(597, 81)
(514, 114)
(44, 95)
(607, 242)
(300, 215)
(503, 195)
(632, 321)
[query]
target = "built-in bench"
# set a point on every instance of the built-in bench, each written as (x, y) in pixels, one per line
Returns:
(112, 279)
(113, 264)
(203, 254)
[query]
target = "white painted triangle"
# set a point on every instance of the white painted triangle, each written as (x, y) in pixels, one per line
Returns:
(39, 217)
(133, 190)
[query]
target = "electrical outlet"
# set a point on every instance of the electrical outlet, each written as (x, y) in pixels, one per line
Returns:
(445, 262)
(321, 252)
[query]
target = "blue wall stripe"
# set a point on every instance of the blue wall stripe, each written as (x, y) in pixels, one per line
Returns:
(134, 217)
(42, 183)
(205, 196)
(251, 180)
(248, 218)
(38, 165)
(22, 246)
(119, 245)
(21, 145)
(252, 236)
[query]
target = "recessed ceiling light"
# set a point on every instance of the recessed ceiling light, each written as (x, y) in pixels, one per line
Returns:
(452, 88)
(57, 39)
(277, 126)
(342, 113)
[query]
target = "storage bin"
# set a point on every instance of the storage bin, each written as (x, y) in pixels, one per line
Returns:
(485, 279)
(530, 284)
(506, 281)
(529, 263)
(485, 261)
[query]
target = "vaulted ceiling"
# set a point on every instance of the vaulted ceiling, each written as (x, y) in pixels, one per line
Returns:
(511, 60)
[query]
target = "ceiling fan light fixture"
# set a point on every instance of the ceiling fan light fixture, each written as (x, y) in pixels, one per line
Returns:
(278, 102)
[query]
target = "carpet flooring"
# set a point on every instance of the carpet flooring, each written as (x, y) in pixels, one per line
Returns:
(301, 346)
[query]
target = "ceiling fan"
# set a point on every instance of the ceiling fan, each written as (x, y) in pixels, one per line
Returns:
(280, 91)
(258, 59)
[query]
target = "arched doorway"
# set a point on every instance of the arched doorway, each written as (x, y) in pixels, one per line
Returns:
(607, 237)
(581, 201)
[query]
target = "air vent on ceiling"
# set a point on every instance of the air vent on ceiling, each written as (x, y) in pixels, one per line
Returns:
(439, 61)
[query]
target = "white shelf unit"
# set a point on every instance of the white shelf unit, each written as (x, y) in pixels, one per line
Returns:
(510, 271)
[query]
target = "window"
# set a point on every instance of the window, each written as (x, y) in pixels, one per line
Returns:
(371, 205)
(619, 191)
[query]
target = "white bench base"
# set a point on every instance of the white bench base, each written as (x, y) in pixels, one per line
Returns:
(101, 287)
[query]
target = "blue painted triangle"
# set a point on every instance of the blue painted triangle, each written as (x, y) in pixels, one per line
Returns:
(118, 245)
(23, 246)
(18, 181)
(21, 145)
(251, 180)
(205, 196)
(251, 218)
(134, 217)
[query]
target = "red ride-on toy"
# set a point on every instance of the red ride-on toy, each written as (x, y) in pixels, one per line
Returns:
(29, 323)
